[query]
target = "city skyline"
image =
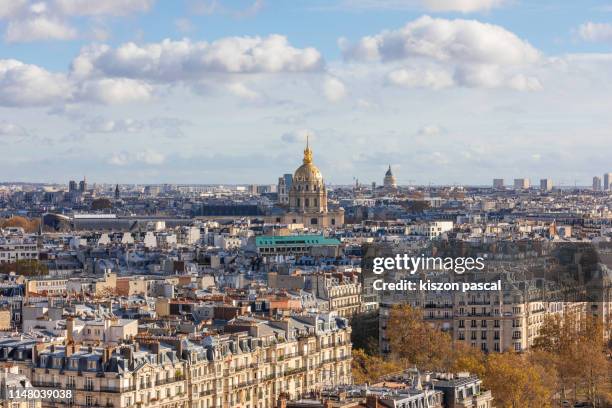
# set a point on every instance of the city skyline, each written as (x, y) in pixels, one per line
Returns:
(208, 92)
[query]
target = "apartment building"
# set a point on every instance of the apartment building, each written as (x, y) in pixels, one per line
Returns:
(494, 321)
(248, 366)
(13, 249)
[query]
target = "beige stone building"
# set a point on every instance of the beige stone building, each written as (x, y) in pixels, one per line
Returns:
(247, 367)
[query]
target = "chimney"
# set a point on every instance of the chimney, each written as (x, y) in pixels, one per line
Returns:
(108, 351)
(69, 330)
(372, 401)
(38, 347)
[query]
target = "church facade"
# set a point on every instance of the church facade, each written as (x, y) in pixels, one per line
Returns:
(308, 198)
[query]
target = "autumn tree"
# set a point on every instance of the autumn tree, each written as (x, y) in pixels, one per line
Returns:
(517, 382)
(575, 346)
(370, 368)
(29, 225)
(415, 342)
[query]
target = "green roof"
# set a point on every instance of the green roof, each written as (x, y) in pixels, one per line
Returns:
(270, 240)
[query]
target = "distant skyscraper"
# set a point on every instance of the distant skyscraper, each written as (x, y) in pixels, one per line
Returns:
(117, 193)
(83, 185)
(284, 186)
(596, 183)
(498, 183)
(607, 179)
(521, 184)
(546, 184)
(72, 186)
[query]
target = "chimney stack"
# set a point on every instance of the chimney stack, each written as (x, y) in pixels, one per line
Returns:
(372, 401)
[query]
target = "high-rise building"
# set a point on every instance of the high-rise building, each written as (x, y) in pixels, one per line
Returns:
(72, 186)
(596, 183)
(284, 185)
(498, 183)
(83, 185)
(546, 184)
(117, 192)
(607, 179)
(521, 183)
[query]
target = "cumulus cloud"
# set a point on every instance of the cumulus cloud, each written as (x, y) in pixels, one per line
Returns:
(436, 78)
(29, 85)
(114, 90)
(51, 20)
(38, 28)
(439, 53)
(334, 89)
(445, 40)
(171, 61)
(493, 76)
(596, 32)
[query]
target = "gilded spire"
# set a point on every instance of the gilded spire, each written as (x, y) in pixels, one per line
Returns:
(307, 153)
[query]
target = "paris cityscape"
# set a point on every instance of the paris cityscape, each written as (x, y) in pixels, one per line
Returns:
(306, 204)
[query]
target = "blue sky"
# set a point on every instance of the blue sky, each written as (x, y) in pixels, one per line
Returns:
(446, 91)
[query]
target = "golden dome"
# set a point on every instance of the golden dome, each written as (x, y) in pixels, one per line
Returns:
(307, 171)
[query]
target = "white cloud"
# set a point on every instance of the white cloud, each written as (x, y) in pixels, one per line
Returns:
(101, 125)
(421, 78)
(493, 76)
(38, 28)
(595, 32)
(463, 6)
(149, 157)
(102, 7)
(51, 20)
(333, 89)
(114, 90)
(9, 129)
(242, 91)
(29, 85)
(439, 53)
(10, 8)
(173, 61)
(467, 41)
